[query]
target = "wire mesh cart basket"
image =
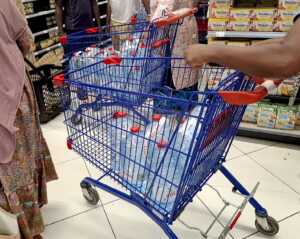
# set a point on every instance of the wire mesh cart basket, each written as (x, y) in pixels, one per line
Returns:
(163, 148)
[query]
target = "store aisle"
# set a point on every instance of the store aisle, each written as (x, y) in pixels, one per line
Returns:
(276, 166)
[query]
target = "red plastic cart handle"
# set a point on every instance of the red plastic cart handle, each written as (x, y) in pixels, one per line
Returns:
(133, 20)
(59, 80)
(174, 18)
(245, 98)
(92, 30)
(112, 60)
(63, 40)
(160, 43)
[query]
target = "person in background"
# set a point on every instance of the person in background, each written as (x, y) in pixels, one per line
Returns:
(76, 15)
(187, 34)
(25, 162)
(120, 13)
(275, 58)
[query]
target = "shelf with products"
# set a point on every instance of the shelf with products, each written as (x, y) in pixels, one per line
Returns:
(40, 15)
(253, 131)
(45, 50)
(237, 26)
(250, 35)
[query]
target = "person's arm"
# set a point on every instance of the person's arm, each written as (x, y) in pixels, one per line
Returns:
(96, 12)
(280, 59)
(59, 16)
(108, 20)
(146, 4)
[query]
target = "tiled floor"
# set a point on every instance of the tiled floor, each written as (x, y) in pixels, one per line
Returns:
(275, 166)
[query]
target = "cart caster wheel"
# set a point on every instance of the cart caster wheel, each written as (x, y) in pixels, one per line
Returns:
(76, 119)
(90, 194)
(234, 189)
(273, 226)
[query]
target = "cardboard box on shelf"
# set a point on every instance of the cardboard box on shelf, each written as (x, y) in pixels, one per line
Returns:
(267, 115)
(238, 43)
(286, 117)
(286, 15)
(217, 24)
(219, 13)
(240, 14)
(251, 113)
(289, 4)
(264, 14)
(298, 115)
(239, 26)
(212, 41)
(219, 3)
(282, 26)
(287, 87)
(261, 26)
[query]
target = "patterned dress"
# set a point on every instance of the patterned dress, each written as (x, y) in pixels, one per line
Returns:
(23, 180)
(187, 34)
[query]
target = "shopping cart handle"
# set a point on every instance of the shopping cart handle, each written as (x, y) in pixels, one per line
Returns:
(59, 80)
(92, 30)
(63, 40)
(160, 43)
(243, 97)
(112, 60)
(175, 17)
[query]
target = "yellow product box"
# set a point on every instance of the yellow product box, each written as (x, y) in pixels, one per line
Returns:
(238, 43)
(219, 3)
(286, 15)
(254, 42)
(286, 117)
(290, 5)
(216, 42)
(215, 24)
(282, 26)
(219, 12)
(267, 115)
(239, 26)
(238, 14)
(251, 113)
(287, 87)
(298, 115)
(266, 14)
(262, 26)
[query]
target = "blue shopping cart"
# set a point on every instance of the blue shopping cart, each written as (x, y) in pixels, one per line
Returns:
(161, 156)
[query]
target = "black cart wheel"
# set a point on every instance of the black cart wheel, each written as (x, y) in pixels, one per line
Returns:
(90, 194)
(273, 227)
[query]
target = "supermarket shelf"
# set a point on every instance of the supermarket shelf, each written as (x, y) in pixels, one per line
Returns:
(45, 31)
(285, 136)
(102, 2)
(281, 99)
(47, 49)
(26, 1)
(262, 35)
(42, 13)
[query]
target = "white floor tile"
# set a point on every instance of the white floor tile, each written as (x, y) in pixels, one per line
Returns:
(131, 223)
(57, 142)
(283, 161)
(65, 197)
(90, 225)
(248, 145)
(289, 229)
(277, 198)
(234, 152)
